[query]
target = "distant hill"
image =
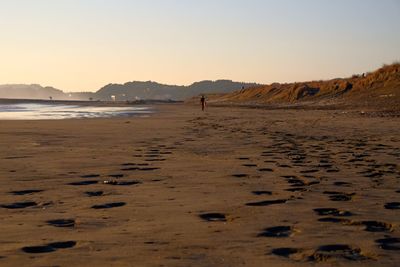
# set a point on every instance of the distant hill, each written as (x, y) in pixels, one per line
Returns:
(33, 91)
(378, 88)
(156, 91)
(38, 92)
(122, 92)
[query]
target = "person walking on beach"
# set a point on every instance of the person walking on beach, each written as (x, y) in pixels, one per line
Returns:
(203, 102)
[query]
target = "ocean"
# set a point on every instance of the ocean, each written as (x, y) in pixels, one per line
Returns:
(35, 111)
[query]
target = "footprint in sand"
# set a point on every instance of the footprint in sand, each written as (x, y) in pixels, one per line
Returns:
(374, 175)
(286, 252)
(52, 247)
(297, 189)
(375, 226)
(83, 183)
(149, 169)
(213, 217)
(25, 192)
(62, 223)
(370, 226)
(332, 212)
(335, 220)
(250, 165)
(390, 243)
(19, 205)
(267, 203)
(327, 252)
(392, 206)
(339, 196)
(121, 183)
(344, 184)
(261, 193)
(128, 164)
(130, 169)
(283, 165)
(240, 175)
(294, 181)
(94, 193)
(277, 231)
(152, 156)
(109, 205)
(265, 170)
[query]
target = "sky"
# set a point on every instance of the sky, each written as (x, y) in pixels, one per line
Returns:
(82, 45)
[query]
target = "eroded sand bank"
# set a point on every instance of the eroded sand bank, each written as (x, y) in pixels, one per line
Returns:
(230, 187)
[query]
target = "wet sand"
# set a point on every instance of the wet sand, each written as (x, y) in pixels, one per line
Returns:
(229, 187)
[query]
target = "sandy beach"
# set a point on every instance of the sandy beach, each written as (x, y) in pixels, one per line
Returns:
(228, 187)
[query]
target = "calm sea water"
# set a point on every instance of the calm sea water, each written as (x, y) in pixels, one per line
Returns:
(27, 111)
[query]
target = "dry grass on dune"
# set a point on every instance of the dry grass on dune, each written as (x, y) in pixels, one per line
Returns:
(381, 87)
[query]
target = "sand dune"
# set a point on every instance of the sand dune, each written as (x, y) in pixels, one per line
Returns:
(378, 90)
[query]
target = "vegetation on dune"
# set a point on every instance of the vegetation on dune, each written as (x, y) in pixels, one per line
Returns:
(382, 85)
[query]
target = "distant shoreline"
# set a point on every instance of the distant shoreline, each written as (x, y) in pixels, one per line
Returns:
(86, 103)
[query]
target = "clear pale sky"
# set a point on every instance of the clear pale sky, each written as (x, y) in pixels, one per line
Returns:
(82, 45)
